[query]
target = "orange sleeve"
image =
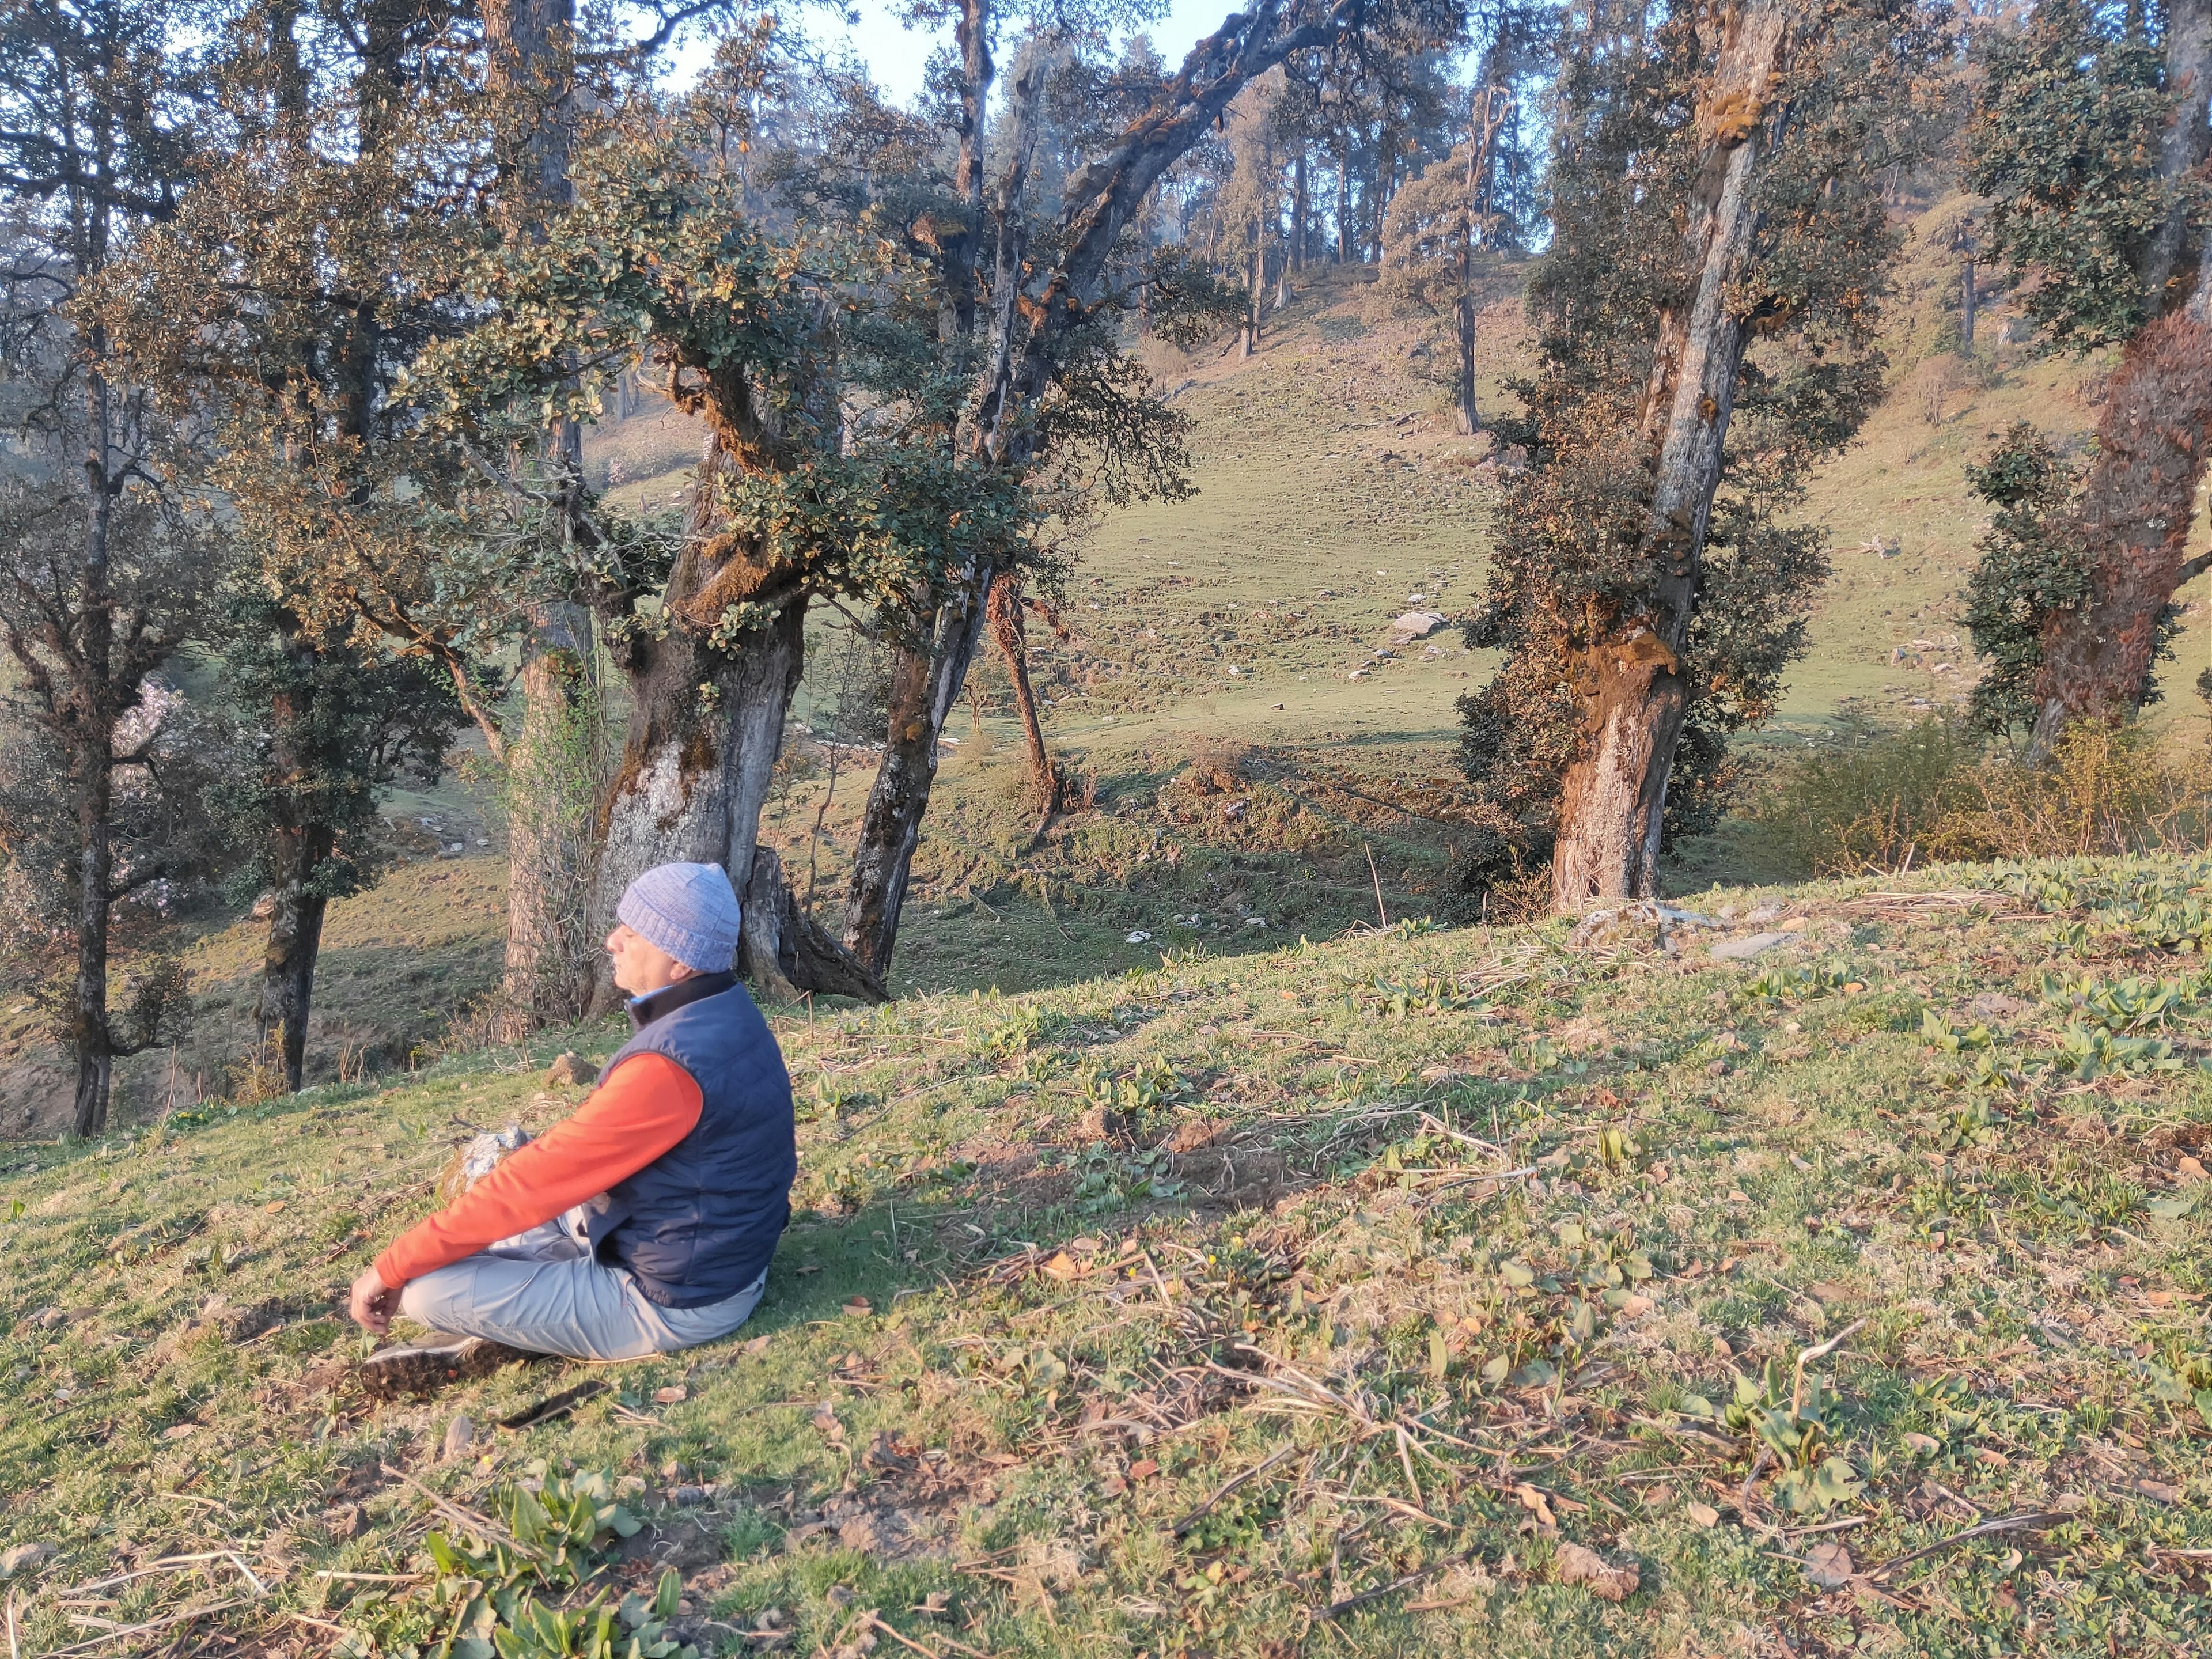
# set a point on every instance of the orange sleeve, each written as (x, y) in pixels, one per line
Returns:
(647, 1105)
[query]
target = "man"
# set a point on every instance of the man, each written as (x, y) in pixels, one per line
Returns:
(646, 1222)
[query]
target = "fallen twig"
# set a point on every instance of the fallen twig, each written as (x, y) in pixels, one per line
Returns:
(1345, 1604)
(188, 1615)
(1228, 1486)
(451, 1510)
(1988, 1528)
(553, 1405)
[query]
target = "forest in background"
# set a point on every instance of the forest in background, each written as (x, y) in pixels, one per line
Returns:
(336, 303)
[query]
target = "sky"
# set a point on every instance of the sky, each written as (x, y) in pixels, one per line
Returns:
(896, 55)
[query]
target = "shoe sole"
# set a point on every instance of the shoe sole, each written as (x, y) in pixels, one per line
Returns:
(422, 1370)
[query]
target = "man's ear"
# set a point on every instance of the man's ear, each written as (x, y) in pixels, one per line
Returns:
(680, 971)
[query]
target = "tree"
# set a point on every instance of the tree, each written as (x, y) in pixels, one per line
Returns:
(1435, 227)
(2090, 136)
(1048, 331)
(1252, 202)
(1713, 193)
(326, 726)
(107, 570)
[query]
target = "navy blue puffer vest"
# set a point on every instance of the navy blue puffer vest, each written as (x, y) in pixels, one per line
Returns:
(699, 1223)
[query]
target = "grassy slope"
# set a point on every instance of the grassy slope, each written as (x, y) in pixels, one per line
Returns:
(1048, 1373)
(1326, 463)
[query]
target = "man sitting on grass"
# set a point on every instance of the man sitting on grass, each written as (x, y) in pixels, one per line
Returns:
(643, 1223)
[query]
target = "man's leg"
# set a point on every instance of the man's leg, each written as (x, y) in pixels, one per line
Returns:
(576, 1307)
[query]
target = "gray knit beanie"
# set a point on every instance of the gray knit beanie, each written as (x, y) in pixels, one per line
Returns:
(689, 910)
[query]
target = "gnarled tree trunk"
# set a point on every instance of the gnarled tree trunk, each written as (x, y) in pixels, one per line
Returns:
(705, 728)
(2136, 505)
(925, 688)
(2140, 491)
(1615, 792)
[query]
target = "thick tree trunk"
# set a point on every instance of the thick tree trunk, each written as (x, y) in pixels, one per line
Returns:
(2141, 490)
(295, 942)
(1300, 210)
(2136, 505)
(552, 846)
(786, 952)
(1615, 792)
(924, 687)
(93, 764)
(1469, 419)
(2166, 276)
(549, 963)
(696, 769)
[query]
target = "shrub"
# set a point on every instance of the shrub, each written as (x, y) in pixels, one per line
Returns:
(2105, 789)
(1928, 794)
(1874, 801)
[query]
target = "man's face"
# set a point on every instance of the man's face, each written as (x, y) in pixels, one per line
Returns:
(640, 967)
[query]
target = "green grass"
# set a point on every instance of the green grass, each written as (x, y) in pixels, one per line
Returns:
(1123, 1240)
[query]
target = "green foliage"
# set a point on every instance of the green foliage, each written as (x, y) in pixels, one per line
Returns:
(2065, 140)
(760, 334)
(1572, 569)
(2033, 563)
(1871, 799)
(1788, 1422)
(501, 1597)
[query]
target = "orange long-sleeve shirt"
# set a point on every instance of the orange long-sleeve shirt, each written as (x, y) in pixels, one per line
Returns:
(645, 1107)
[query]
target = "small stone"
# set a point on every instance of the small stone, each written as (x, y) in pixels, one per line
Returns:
(674, 1394)
(565, 1072)
(460, 1435)
(1587, 1567)
(688, 1498)
(26, 1558)
(1829, 1565)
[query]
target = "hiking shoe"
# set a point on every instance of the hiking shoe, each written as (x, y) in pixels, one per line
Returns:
(423, 1368)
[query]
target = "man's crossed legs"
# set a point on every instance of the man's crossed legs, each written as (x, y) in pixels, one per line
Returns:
(541, 1292)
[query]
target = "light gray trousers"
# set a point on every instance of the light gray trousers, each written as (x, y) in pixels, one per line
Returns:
(542, 1291)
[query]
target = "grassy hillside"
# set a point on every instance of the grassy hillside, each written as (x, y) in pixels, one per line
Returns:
(1416, 1292)
(1243, 746)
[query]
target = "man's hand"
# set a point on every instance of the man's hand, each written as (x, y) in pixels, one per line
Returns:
(373, 1303)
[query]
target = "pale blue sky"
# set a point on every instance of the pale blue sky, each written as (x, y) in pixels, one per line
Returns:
(895, 56)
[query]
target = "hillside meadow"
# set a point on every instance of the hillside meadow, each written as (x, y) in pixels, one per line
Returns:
(1805, 1271)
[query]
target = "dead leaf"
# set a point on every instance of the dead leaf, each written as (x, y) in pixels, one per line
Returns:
(2159, 1298)
(858, 1308)
(758, 1345)
(1995, 1460)
(1142, 1469)
(675, 1394)
(1826, 1290)
(2190, 1170)
(2158, 1489)
(179, 1431)
(1063, 1266)
(1926, 1444)
(1704, 1513)
(1534, 1501)
(1633, 1306)
(1829, 1565)
(275, 1206)
(1578, 1565)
